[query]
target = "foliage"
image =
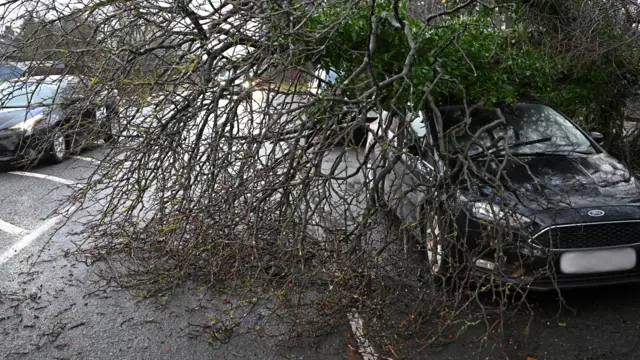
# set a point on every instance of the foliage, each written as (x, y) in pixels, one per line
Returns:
(477, 59)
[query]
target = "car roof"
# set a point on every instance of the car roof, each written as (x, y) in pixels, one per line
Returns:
(499, 105)
(51, 79)
(519, 99)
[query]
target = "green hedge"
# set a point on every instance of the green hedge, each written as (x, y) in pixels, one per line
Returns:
(475, 59)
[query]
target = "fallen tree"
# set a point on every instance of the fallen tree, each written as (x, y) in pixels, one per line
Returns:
(251, 192)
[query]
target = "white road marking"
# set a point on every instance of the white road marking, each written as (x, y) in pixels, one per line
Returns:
(29, 238)
(85, 158)
(11, 229)
(358, 333)
(43, 176)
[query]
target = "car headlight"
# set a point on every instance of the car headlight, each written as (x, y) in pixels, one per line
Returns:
(493, 214)
(29, 124)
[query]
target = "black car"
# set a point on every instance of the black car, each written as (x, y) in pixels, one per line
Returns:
(49, 117)
(567, 211)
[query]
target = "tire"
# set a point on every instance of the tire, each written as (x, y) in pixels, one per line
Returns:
(360, 135)
(109, 129)
(59, 147)
(109, 136)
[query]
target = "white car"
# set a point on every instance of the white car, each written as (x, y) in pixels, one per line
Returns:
(323, 78)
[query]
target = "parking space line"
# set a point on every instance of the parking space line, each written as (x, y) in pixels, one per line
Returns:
(29, 238)
(43, 176)
(11, 229)
(358, 332)
(85, 158)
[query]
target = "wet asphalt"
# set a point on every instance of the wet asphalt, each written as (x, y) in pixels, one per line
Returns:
(52, 308)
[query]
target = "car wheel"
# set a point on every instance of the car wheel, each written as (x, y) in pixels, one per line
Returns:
(360, 135)
(434, 248)
(110, 128)
(59, 147)
(109, 136)
(437, 249)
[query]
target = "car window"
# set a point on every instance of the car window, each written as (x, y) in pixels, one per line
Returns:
(524, 122)
(331, 77)
(419, 143)
(23, 94)
(322, 77)
(72, 91)
(9, 72)
(418, 125)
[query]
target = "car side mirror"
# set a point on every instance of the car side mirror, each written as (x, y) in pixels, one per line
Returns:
(597, 137)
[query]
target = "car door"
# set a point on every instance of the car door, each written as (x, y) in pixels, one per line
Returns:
(80, 125)
(417, 170)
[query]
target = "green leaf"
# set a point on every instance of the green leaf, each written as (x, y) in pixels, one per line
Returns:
(94, 81)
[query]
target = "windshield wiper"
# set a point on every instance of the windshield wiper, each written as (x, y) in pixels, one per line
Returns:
(553, 152)
(511, 146)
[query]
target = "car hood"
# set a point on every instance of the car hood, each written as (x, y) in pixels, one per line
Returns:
(543, 183)
(12, 116)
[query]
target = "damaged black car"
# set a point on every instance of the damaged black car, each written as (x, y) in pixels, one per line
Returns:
(517, 193)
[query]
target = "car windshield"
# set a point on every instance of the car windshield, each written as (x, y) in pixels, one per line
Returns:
(24, 94)
(528, 128)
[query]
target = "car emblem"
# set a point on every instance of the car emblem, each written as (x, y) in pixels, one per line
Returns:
(595, 213)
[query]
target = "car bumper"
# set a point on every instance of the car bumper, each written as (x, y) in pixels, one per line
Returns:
(536, 268)
(10, 145)
(16, 145)
(543, 273)
(559, 281)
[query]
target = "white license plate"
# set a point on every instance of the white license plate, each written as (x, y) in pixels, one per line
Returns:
(597, 261)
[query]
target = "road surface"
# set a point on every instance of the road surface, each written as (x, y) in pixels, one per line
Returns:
(50, 307)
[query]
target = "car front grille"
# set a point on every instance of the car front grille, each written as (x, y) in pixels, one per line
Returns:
(581, 236)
